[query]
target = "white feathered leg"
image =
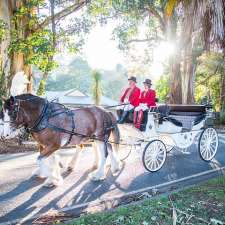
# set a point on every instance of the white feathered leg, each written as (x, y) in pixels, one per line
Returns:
(99, 173)
(115, 162)
(96, 160)
(72, 164)
(50, 167)
(41, 171)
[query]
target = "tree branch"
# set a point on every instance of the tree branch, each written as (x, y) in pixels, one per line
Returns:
(154, 12)
(142, 40)
(65, 12)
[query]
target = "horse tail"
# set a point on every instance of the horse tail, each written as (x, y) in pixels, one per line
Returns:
(115, 132)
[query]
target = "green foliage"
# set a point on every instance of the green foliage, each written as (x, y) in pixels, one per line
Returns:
(222, 118)
(3, 29)
(131, 16)
(208, 77)
(70, 76)
(41, 88)
(37, 47)
(78, 75)
(200, 205)
(162, 88)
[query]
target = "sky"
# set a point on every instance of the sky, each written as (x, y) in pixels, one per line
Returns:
(101, 51)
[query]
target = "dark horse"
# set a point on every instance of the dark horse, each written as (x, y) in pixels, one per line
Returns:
(54, 126)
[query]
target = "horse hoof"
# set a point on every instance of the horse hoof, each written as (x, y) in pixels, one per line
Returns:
(70, 169)
(53, 183)
(95, 177)
(49, 185)
(116, 171)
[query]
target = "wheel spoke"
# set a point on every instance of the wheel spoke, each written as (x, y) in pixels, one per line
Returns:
(154, 155)
(208, 143)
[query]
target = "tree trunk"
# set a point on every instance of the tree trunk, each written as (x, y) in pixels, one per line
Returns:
(10, 65)
(174, 63)
(187, 44)
(188, 75)
(175, 81)
(6, 12)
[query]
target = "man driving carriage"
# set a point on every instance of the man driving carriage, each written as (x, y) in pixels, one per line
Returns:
(129, 100)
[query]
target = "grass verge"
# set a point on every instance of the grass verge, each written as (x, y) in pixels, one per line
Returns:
(198, 205)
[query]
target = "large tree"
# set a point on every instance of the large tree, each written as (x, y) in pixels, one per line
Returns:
(207, 18)
(176, 21)
(152, 17)
(29, 40)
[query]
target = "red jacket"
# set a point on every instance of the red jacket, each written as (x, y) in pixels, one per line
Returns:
(148, 98)
(134, 96)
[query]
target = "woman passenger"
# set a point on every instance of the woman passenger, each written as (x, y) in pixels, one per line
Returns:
(147, 99)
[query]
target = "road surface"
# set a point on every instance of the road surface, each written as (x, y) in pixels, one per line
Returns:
(23, 196)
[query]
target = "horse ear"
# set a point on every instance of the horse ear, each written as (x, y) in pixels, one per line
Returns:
(12, 100)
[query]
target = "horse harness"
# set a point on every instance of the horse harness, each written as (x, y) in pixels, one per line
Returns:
(48, 112)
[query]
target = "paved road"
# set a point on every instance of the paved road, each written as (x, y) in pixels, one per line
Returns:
(22, 196)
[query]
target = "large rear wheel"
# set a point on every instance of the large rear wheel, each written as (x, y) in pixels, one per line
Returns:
(208, 144)
(154, 155)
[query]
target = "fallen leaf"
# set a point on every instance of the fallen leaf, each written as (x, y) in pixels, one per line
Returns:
(216, 222)
(174, 216)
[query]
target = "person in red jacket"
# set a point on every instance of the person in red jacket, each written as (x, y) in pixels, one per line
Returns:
(130, 98)
(147, 100)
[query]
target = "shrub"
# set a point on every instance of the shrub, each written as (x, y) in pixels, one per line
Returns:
(222, 118)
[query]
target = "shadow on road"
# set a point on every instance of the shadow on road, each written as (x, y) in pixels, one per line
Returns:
(20, 188)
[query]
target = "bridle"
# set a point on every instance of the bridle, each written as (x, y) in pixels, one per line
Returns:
(16, 109)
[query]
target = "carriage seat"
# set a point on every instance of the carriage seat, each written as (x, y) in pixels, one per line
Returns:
(187, 110)
(182, 115)
(181, 110)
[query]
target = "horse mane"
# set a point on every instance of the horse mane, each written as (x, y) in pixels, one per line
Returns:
(26, 96)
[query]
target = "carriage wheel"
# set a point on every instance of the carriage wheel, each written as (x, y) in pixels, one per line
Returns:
(154, 155)
(208, 144)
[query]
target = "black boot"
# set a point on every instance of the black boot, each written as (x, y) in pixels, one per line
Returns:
(144, 121)
(119, 113)
(123, 117)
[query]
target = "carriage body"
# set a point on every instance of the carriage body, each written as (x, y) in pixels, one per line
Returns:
(170, 126)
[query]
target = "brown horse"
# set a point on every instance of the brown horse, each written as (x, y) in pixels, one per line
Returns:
(54, 126)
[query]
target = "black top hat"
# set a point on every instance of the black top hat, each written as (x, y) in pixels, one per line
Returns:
(133, 79)
(148, 81)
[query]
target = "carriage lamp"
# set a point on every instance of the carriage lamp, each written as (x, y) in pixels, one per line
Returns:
(210, 117)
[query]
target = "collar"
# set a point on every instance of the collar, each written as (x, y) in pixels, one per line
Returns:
(40, 118)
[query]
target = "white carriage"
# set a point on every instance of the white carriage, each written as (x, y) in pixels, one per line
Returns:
(173, 125)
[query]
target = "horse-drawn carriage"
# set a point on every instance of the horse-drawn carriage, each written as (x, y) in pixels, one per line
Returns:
(54, 126)
(167, 126)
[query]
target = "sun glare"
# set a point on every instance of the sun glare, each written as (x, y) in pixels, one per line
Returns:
(160, 55)
(163, 51)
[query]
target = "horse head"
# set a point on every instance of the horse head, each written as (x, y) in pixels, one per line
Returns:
(14, 115)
